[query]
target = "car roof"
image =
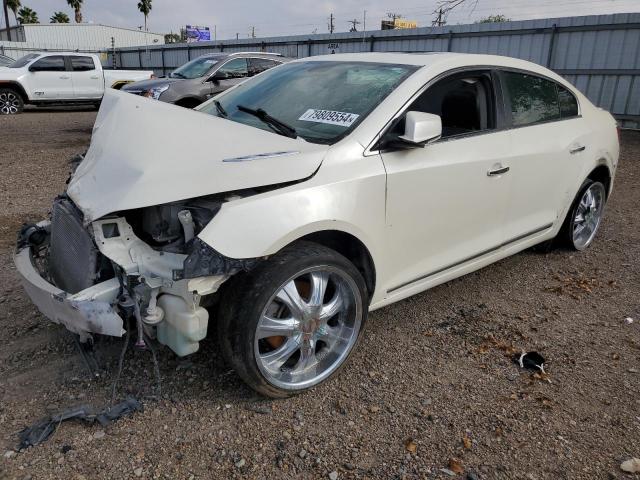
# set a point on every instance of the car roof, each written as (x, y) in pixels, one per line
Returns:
(233, 54)
(434, 59)
(70, 54)
(422, 59)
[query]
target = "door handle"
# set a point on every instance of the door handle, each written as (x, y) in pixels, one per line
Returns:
(64, 77)
(95, 77)
(577, 149)
(497, 171)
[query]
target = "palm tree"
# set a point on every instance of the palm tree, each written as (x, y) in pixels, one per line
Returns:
(26, 15)
(59, 17)
(145, 8)
(14, 5)
(6, 18)
(76, 5)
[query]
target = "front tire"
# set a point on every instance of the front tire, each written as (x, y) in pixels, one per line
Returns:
(11, 102)
(292, 322)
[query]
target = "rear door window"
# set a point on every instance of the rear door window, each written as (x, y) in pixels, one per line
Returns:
(533, 99)
(236, 68)
(568, 103)
(50, 64)
(82, 64)
(259, 65)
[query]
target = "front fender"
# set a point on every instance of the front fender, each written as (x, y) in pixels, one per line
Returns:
(347, 193)
(262, 225)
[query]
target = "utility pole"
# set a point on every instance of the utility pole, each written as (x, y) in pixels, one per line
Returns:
(364, 26)
(215, 32)
(237, 35)
(354, 24)
(331, 25)
(440, 20)
(113, 54)
(253, 32)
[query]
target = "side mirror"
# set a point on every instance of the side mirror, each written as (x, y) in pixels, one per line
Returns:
(421, 128)
(219, 76)
(35, 68)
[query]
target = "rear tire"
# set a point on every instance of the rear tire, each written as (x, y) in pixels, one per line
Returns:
(292, 322)
(584, 217)
(11, 102)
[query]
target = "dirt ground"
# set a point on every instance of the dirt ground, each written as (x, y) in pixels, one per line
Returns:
(431, 392)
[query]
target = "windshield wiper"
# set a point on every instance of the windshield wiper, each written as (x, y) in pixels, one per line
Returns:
(279, 126)
(220, 108)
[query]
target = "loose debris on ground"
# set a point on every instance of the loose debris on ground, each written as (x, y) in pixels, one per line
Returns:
(431, 393)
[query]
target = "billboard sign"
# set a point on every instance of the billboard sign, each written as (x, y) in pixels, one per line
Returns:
(402, 24)
(198, 34)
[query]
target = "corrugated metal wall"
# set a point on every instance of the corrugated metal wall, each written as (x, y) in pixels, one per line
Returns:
(88, 36)
(76, 37)
(600, 54)
(17, 34)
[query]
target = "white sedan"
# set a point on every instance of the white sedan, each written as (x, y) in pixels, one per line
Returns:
(293, 204)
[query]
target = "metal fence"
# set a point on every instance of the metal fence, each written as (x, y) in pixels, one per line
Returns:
(599, 54)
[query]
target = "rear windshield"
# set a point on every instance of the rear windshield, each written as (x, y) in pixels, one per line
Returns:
(22, 61)
(322, 101)
(196, 68)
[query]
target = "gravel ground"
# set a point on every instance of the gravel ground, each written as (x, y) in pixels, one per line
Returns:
(431, 392)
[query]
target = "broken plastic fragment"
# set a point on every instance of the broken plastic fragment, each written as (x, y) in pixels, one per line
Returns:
(530, 361)
(41, 430)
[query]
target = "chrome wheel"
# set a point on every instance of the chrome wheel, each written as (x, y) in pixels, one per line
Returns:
(9, 103)
(308, 328)
(587, 216)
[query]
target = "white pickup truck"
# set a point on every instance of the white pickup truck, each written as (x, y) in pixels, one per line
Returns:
(59, 78)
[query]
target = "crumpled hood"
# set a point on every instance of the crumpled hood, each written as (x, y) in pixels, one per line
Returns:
(144, 152)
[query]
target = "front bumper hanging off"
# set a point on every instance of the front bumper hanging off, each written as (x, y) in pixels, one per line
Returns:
(88, 311)
(170, 305)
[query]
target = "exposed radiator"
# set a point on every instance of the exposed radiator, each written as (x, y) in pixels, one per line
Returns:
(73, 257)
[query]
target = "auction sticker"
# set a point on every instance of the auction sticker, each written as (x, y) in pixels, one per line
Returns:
(342, 119)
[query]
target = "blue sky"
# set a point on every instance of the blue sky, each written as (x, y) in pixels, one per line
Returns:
(279, 17)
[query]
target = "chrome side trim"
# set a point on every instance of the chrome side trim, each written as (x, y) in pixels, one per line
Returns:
(473, 257)
(260, 156)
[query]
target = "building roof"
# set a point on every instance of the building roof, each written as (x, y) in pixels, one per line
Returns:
(67, 25)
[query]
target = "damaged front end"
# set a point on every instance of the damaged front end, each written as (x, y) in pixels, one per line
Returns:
(142, 269)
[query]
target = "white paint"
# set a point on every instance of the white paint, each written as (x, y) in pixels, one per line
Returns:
(426, 215)
(156, 161)
(424, 209)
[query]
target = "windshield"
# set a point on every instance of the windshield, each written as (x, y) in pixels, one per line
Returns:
(196, 68)
(322, 101)
(22, 61)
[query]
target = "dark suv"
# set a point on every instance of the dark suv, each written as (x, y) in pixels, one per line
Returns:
(198, 80)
